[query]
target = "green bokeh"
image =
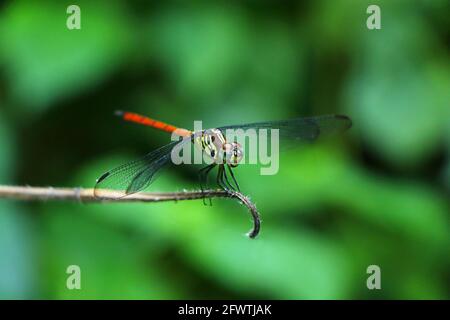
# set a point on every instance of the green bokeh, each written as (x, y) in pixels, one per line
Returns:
(377, 195)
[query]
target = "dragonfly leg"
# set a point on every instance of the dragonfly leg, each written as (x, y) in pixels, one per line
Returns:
(203, 178)
(227, 182)
(220, 176)
(234, 179)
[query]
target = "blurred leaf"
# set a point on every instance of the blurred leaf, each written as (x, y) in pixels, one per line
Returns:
(203, 47)
(18, 263)
(398, 96)
(45, 61)
(285, 263)
(113, 266)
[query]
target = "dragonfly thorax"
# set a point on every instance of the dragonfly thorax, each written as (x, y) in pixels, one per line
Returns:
(215, 145)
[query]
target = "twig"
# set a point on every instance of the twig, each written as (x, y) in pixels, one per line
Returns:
(87, 195)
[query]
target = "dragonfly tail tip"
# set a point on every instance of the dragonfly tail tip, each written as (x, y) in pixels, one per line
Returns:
(103, 177)
(345, 118)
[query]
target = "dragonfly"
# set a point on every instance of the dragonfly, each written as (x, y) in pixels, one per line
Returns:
(137, 175)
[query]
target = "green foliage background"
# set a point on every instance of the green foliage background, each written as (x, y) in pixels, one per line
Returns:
(377, 195)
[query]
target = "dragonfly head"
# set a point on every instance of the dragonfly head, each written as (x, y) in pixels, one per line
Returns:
(233, 153)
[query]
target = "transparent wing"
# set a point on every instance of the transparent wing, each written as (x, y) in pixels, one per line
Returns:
(306, 129)
(136, 175)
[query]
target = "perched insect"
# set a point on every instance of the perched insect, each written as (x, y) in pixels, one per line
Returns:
(137, 175)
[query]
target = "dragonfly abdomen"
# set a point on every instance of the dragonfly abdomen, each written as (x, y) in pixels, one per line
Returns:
(146, 121)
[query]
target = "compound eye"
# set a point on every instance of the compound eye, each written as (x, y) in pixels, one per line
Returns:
(213, 138)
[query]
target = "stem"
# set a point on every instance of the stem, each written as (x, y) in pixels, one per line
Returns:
(87, 195)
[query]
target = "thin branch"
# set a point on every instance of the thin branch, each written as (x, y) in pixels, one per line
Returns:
(87, 195)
